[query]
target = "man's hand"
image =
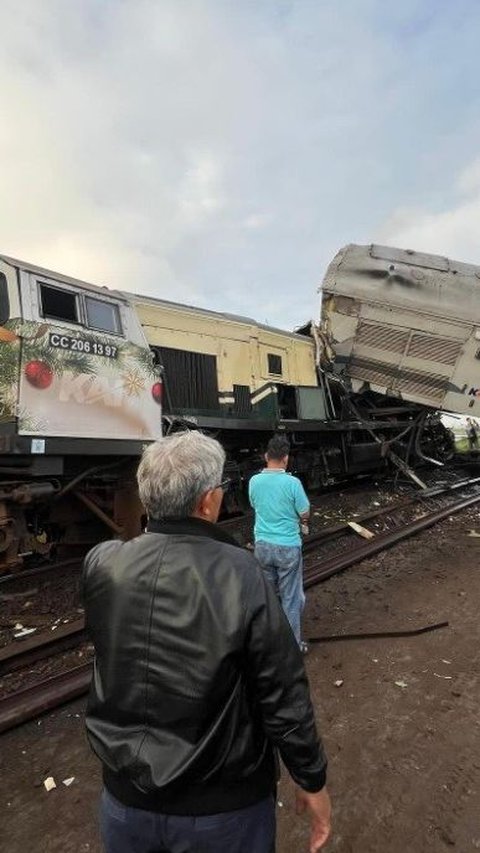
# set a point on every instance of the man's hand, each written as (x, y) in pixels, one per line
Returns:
(319, 810)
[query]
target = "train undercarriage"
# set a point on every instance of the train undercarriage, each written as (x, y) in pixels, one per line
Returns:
(54, 508)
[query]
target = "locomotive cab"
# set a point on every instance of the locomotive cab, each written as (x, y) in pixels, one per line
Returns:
(78, 391)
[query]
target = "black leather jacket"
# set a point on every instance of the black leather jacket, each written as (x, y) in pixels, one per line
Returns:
(197, 674)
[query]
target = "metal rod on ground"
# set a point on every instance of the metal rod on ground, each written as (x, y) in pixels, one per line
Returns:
(377, 635)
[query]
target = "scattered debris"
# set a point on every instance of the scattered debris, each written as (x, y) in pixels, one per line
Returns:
(338, 682)
(401, 684)
(473, 534)
(68, 782)
(279, 804)
(24, 632)
(49, 783)
(362, 531)
(443, 676)
(446, 661)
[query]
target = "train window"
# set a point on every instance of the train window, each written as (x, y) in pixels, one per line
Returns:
(274, 364)
(59, 304)
(103, 316)
(4, 303)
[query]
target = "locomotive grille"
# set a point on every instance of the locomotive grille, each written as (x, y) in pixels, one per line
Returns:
(372, 371)
(426, 347)
(442, 350)
(431, 386)
(382, 337)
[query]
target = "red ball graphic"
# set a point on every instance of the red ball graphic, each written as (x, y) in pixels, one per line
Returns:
(157, 392)
(39, 374)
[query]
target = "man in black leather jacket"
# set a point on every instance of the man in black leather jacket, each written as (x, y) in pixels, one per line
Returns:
(197, 675)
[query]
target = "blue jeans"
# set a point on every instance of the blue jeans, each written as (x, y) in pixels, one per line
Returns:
(283, 567)
(128, 830)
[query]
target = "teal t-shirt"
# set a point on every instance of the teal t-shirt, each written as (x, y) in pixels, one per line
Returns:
(278, 499)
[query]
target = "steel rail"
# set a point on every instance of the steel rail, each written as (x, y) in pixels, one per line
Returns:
(54, 691)
(333, 565)
(38, 571)
(25, 704)
(22, 653)
(343, 526)
(72, 562)
(26, 652)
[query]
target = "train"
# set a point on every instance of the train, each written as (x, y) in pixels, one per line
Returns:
(89, 375)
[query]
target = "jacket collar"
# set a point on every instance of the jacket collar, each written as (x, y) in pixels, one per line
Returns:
(191, 527)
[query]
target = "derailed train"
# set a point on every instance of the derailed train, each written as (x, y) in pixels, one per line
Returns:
(88, 375)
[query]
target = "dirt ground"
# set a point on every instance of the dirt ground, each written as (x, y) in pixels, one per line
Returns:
(404, 771)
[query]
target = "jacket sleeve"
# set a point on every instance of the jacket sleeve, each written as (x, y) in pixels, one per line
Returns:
(279, 684)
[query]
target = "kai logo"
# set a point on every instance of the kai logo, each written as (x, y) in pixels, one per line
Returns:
(474, 392)
(88, 390)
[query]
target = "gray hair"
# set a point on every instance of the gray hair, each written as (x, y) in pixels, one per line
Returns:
(175, 471)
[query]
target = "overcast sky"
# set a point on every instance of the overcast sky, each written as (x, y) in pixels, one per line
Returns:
(219, 152)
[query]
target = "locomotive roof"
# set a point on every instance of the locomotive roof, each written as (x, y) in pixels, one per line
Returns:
(417, 281)
(126, 296)
(57, 276)
(207, 312)
(412, 258)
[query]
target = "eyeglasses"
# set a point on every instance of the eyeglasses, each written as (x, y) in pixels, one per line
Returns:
(224, 484)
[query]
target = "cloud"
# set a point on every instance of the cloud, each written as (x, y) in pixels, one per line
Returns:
(257, 221)
(452, 232)
(221, 153)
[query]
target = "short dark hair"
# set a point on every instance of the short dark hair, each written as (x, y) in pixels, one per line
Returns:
(278, 447)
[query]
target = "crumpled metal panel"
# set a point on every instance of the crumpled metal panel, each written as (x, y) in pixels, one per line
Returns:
(425, 284)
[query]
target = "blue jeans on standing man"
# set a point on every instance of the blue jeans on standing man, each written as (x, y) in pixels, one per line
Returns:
(283, 567)
(129, 830)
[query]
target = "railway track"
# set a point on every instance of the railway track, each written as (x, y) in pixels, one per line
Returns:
(19, 655)
(337, 547)
(39, 571)
(328, 552)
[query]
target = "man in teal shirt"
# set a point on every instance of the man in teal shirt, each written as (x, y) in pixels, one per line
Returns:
(282, 509)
